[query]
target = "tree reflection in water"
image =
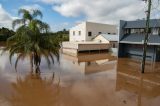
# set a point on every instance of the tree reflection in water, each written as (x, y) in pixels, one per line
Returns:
(33, 90)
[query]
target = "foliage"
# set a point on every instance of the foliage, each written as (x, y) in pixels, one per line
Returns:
(60, 36)
(5, 33)
(32, 39)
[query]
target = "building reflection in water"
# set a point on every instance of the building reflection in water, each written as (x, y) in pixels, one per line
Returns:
(89, 63)
(145, 86)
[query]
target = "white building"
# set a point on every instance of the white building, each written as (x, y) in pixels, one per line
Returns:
(86, 31)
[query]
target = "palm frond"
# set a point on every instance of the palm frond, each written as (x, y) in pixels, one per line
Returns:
(18, 22)
(37, 13)
(43, 27)
(25, 13)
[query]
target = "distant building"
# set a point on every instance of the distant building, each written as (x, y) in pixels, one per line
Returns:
(86, 31)
(131, 39)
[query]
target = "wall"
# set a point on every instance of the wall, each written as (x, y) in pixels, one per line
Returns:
(136, 51)
(95, 28)
(80, 27)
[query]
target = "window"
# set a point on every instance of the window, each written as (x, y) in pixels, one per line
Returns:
(155, 31)
(79, 32)
(142, 31)
(89, 33)
(138, 31)
(114, 46)
(127, 31)
(99, 32)
(73, 33)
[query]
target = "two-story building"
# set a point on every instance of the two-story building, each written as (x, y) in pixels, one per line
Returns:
(131, 39)
(86, 31)
(87, 36)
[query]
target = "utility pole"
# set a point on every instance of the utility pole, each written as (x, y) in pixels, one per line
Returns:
(146, 35)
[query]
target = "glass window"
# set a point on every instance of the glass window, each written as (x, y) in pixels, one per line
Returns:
(99, 32)
(155, 31)
(79, 32)
(73, 32)
(89, 33)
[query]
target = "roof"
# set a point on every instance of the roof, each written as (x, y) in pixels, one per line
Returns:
(142, 23)
(92, 23)
(110, 37)
(139, 38)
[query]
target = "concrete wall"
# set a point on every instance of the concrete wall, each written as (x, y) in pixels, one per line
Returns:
(95, 28)
(84, 47)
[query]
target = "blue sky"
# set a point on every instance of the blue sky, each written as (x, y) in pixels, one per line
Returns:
(60, 14)
(53, 18)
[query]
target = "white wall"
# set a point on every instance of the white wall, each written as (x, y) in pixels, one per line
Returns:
(80, 27)
(95, 28)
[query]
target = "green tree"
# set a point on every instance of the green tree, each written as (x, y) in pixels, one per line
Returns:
(5, 33)
(32, 39)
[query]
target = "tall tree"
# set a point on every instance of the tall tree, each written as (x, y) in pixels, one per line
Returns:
(32, 39)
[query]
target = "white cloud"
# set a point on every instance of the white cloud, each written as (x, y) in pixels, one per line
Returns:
(106, 11)
(53, 1)
(5, 18)
(32, 7)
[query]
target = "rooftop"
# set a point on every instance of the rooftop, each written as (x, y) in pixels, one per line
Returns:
(110, 37)
(142, 23)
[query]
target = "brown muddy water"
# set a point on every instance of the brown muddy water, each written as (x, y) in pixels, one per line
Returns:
(95, 79)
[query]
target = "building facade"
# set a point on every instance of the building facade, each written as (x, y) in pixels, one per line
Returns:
(86, 31)
(131, 39)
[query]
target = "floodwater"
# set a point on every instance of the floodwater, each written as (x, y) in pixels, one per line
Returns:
(95, 79)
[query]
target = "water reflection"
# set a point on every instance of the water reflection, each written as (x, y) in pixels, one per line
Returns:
(145, 86)
(96, 79)
(90, 63)
(32, 90)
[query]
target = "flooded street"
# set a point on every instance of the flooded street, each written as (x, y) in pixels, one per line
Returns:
(95, 79)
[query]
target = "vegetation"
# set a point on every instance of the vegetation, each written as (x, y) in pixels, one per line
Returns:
(32, 39)
(60, 36)
(5, 33)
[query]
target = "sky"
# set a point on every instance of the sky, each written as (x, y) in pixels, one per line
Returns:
(60, 14)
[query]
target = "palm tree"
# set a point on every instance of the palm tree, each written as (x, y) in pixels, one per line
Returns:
(32, 39)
